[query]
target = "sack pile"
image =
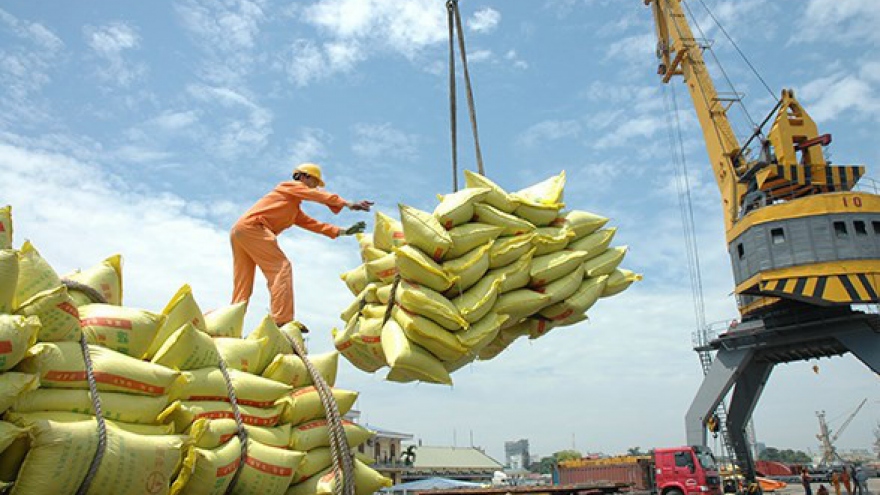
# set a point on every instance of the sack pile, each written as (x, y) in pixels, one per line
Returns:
(171, 425)
(438, 290)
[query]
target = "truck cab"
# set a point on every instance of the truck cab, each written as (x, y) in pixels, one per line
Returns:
(689, 470)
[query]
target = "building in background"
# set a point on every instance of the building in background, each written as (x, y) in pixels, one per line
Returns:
(516, 455)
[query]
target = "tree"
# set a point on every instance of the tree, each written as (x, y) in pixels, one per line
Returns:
(547, 464)
(635, 451)
(786, 456)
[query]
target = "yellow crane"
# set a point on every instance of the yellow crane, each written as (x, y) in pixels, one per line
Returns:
(804, 245)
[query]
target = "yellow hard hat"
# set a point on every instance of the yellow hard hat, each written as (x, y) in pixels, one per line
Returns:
(312, 170)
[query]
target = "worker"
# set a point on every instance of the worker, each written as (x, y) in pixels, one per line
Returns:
(835, 481)
(822, 490)
(254, 236)
(805, 481)
(860, 481)
(846, 479)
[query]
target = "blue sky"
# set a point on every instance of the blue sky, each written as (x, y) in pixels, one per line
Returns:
(146, 128)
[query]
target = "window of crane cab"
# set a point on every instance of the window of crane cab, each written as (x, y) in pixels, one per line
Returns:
(840, 230)
(740, 251)
(876, 226)
(859, 227)
(777, 235)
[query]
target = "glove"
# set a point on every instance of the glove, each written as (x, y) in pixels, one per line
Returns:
(355, 229)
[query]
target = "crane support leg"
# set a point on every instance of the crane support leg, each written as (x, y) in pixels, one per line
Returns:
(747, 391)
(864, 343)
(728, 365)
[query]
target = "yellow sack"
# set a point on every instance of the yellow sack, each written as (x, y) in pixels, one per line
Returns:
(13, 384)
(605, 263)
(383, 269)
(369, 251)
(123, 329)
(184, 413)
(550, 267)
(388, 233)
(8, 279)
(72, 417)
(305, 404)
(470, 268)
(506, 250)
(547, 192)
(241, 354)
(6, 227)
(14, 444)
(619, 280)
(181, 309)
(373, 311)
(357, 304)
(212, 433)
(582, 223)
(290, 370)
(105, 278)
(250, 390)
(188, 349)
(594, 244)
(356, 279)
(293, 330)
(423, 231)
(538, 215)
(34, 275)
(511, 224)
(430, 304)
(563, 287)
(502, 341)
(477, 301)
(551, 240)
(227, 321)
(60, 365)
(274, 343)
(266, 471)
(458, 208)
(534, 327)
(579, 302)
(412, 359)
(514, 275)
(366, 482)
(59, 317)
(521, 303)
(481, 333)
(497, 197)
(315, 434)
(61, 453)
(470, 236)
(383, 293)
(424, 332)
(129, 408)
(360, 343)
(315, 461)
(418, 267)
(17, 335)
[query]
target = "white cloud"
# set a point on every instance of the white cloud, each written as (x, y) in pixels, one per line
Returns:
(517, 62)
(383, 141)
(309, 145)
(637, 49)
(485, 20)
(244, 126)
(848, 21)
(843, 95)
(550, 130)
(110, 43)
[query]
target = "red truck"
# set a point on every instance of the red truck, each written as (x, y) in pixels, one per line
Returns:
(672, 471)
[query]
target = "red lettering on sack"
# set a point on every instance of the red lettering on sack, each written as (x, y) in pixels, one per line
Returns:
(239, 401)
(98, 321)
(448, 225)
(303, 391)
(107, 378)
(343, 346)
(387, 273)
(438, 254)
(228, 469)
(69, 309)
(565, 314)
(371, 340)
(397, 235)
(5, 346)
(2, 227)
(268, 468)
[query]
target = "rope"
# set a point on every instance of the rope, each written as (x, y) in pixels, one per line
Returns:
(94, 296)
(241, 433)
(452, 103)
(99, 416)
(343, 464)
(454, 22)
(392, 299)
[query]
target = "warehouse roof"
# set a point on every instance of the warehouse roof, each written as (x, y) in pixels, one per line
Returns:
(453, 458)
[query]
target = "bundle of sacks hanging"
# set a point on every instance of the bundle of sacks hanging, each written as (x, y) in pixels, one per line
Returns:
(438, 290)
(171, 425)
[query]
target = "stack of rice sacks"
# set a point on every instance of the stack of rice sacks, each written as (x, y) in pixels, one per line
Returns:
(485, 268)
(170, 423)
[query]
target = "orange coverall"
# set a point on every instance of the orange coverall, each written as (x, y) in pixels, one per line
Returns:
(254, 242)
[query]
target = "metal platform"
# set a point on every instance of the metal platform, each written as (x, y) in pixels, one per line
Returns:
(747, 353)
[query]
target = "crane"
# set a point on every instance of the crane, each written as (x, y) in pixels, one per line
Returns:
(804, 243)
(829, 453)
